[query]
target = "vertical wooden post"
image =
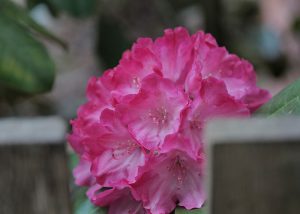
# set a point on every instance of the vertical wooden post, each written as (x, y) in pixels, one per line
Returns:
(33, 167)
(254, 166)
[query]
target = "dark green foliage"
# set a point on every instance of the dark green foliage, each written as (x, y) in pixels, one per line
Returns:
(24, 62)
(77, 8)
(25, 65)
(32, 3)
(296, 25)
(286, 102)
(184, 211)
(111, 41)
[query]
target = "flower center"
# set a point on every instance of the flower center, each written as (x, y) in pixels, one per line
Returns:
(195, 124)
(159, 116)
(136, 82)
(124, 148)
(178, 169)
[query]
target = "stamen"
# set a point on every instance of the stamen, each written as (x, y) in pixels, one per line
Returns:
(159, 116)
(136, 82)
(178, 170)
(124, 148)
(195, 124)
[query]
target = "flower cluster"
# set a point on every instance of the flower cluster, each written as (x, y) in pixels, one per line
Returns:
(139, 136)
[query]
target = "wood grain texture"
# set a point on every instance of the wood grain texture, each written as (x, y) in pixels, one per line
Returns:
(254, 175)
(256, 179)
(34, 179)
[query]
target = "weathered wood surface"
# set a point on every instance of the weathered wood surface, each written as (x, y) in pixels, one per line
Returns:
(254, 166)
(33, 167)
(41, 130)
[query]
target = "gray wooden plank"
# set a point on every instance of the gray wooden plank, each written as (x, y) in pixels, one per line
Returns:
(254, 166)
(253, 129)
(48, 130)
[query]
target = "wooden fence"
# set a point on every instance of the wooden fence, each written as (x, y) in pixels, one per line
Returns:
(33, 167)
(253, 166)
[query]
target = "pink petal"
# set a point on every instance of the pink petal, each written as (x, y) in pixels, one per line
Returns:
(82, 173)
(237, 74)
(212, 101)
(155, 112)
(134, 66)
(121, 157)
(171, 178)
(113, 170)
(256, 98)
(119, 201)
(174, 50)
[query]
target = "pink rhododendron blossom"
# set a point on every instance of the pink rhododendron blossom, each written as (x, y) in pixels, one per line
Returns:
(173, 176)
(119, 200)
(155, 112)
(139, 135)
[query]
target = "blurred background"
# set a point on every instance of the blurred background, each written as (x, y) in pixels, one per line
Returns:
(50, 48)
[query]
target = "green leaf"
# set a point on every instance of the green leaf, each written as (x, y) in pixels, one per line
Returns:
(87, 208)
(112, 41)
(24, 62)
(80, 202)
(77, 8)
(181, 210)
(21, 16)
(286, 102)
(82, 205)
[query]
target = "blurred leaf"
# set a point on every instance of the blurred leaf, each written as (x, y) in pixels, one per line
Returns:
(77, 8)
(82, 205)
(181, 210)
(32, 3)
(286, 102)
(87, 208)
(296, 25)
(22, 17)
(111, 41)
(24, 62)
(73, 160)
(180, 4)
